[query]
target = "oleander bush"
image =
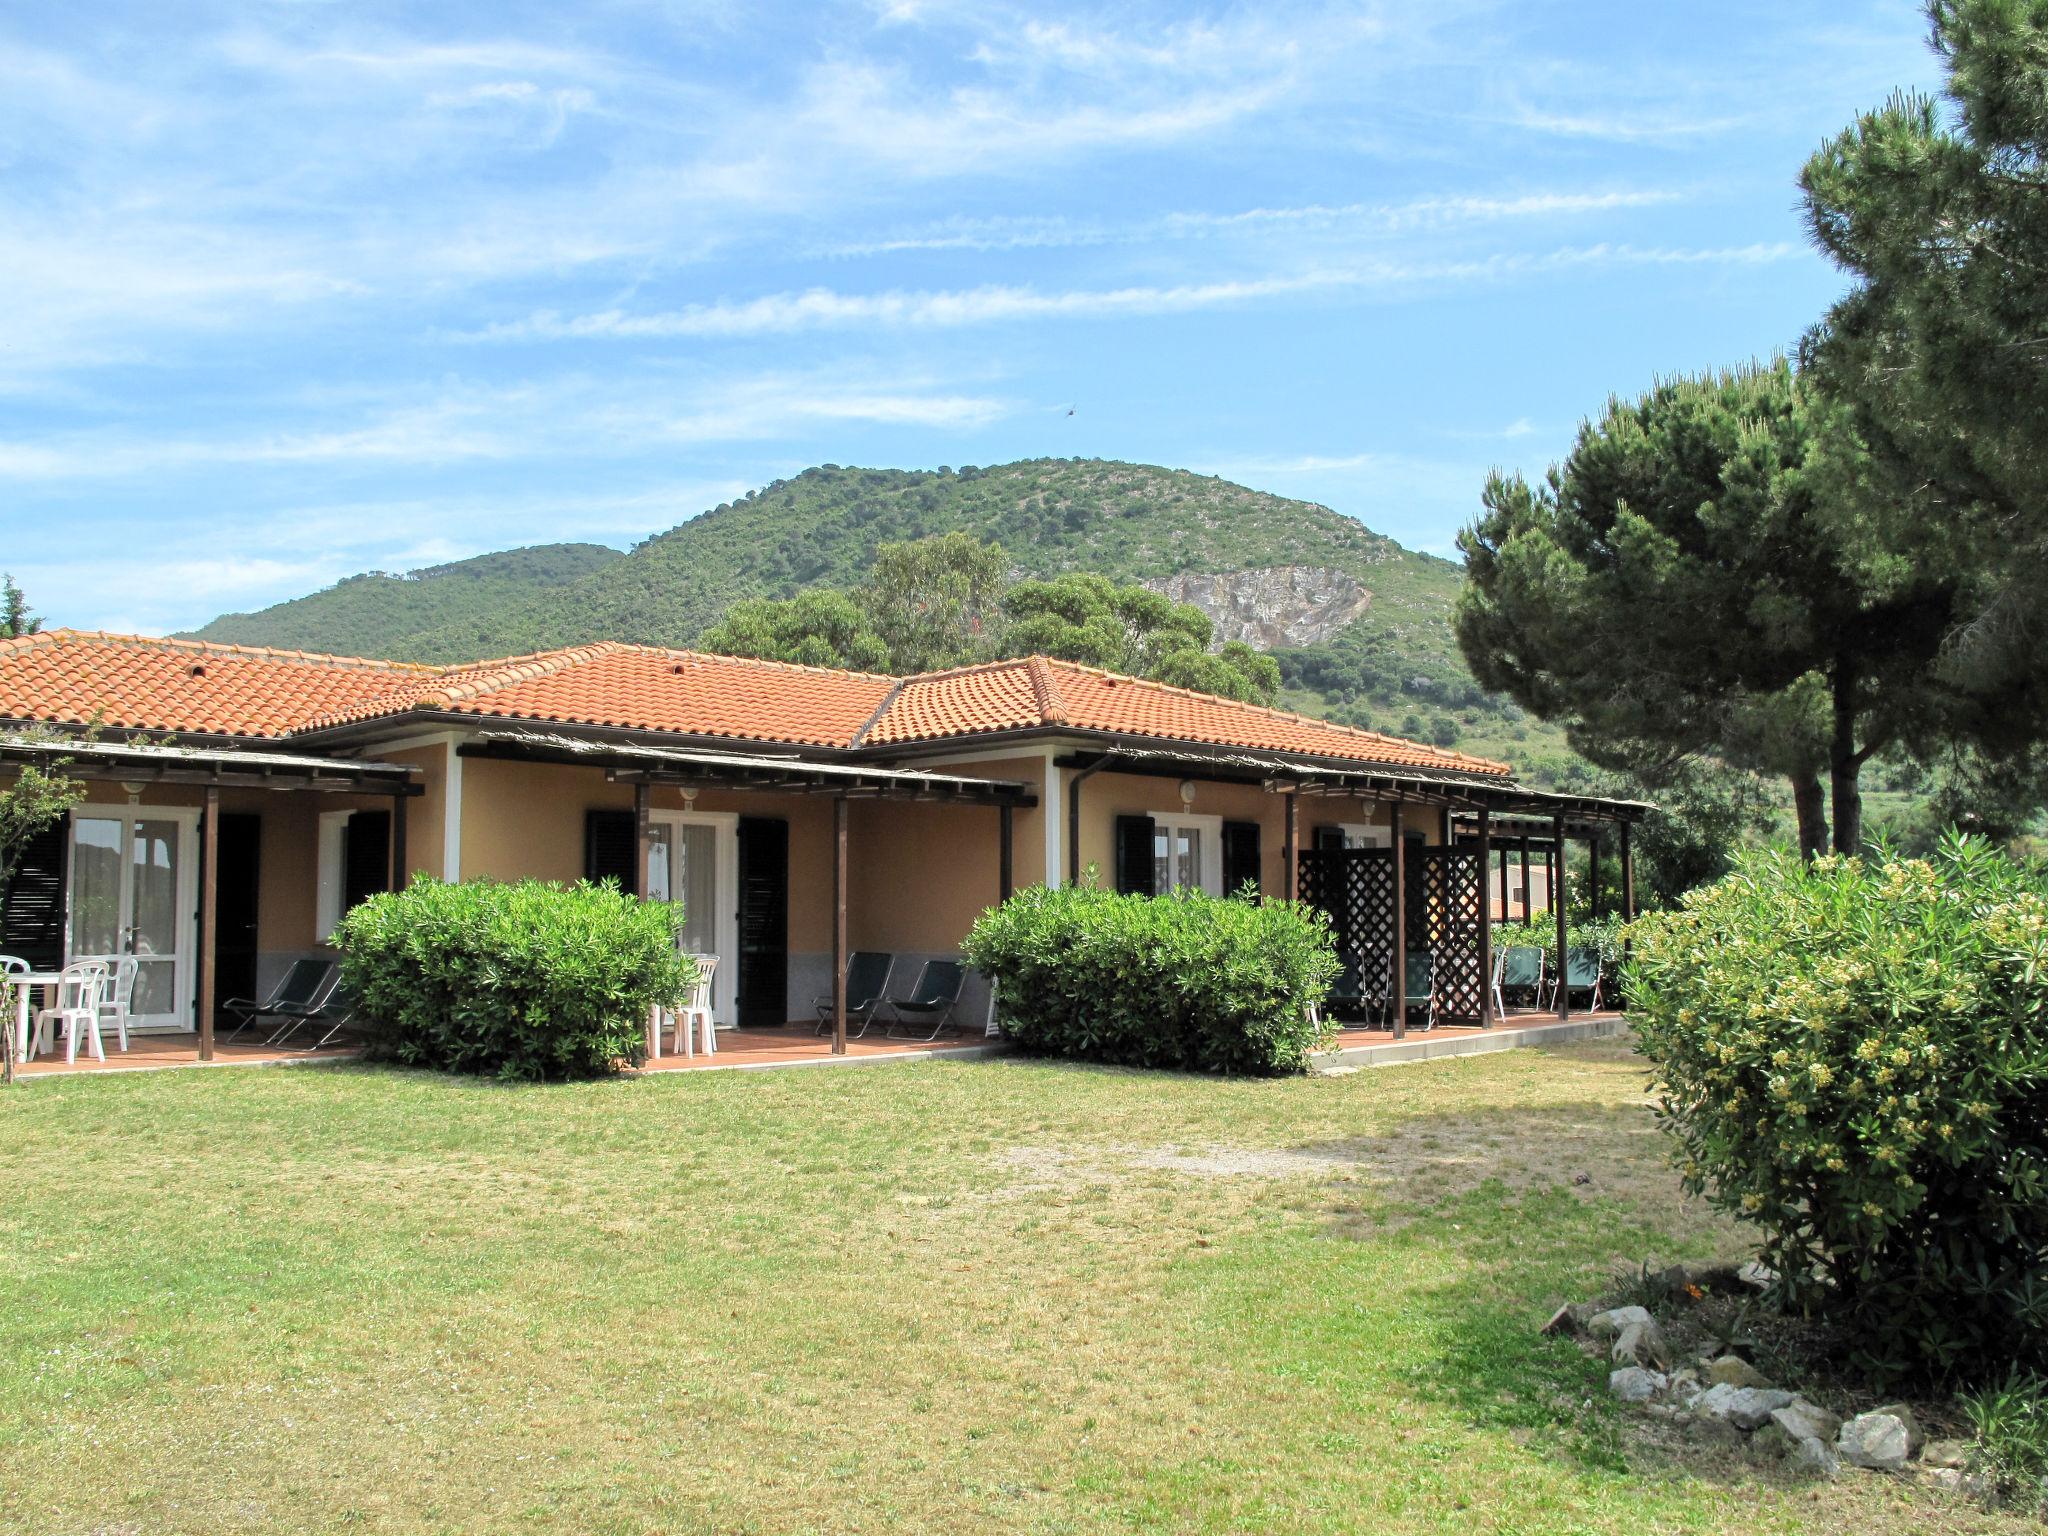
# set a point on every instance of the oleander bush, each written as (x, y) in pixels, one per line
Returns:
(526, 981)
(1854, 1057)
(1188, 982)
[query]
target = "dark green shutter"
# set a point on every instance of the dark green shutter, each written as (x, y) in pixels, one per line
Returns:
(761, 993)
(1134, 856)
(611, 849)
(1240, 856)
(365, 857)
(32, 921)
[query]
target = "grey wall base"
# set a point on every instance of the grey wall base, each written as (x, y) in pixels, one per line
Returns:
(1451, 1040)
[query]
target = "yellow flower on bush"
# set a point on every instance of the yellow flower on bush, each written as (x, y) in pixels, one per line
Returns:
(1821, 1073)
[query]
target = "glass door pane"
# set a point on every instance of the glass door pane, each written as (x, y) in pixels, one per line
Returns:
(96, 860)
(1189, 875)
(658, 884)
(153, 915)
(697, 885)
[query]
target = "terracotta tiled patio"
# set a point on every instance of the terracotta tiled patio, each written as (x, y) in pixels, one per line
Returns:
(148, 1052)
(798, 1043)
(792, 1046)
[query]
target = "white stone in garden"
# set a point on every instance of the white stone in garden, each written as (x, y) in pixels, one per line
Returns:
(1734, 1371)
(1641, 1343)
(1606, 1325)
(1818, 1455)
(1633, 1384)
(1880, 1441)
(1805, 1421)
(1904, 1415)
(1947, 1453)
(1744, 1407)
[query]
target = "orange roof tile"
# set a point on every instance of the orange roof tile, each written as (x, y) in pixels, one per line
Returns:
(133, 682)
(128, 682)
(1034, 691)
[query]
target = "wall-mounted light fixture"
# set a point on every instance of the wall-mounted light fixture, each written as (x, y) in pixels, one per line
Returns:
(1187, 793)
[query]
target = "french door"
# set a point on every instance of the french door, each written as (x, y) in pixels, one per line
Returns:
(134, 892)
(691, 858)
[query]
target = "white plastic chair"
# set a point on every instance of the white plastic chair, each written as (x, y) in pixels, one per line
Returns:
(695, 1014)
(80, 985)
(12, 967)
(117, 998)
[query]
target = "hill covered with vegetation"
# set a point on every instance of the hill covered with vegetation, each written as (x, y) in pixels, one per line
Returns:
(1394, 665)
(382, 614)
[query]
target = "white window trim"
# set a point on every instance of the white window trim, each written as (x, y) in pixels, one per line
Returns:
(1365, 834)
(1211, 828)
(331, 855)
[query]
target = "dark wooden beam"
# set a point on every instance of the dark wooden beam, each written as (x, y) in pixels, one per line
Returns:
(1290, 880)
(643, 840)
(1486, 1017)
(839, 926)
(1528, 916)
(1507, 911)
(399, 856)
(1564, 996)
(209, 917)
(1006, 854)
(1400, 961)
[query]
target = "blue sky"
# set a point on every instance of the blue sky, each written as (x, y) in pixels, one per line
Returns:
(293, 290)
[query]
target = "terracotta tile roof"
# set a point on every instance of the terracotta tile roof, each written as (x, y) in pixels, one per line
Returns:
(1012, 695)
(132, 682)
(645, 689)
(187, 686)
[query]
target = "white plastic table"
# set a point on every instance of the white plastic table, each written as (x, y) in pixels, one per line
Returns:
(24, 983)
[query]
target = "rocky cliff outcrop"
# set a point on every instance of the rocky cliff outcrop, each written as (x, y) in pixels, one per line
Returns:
(1284, 605)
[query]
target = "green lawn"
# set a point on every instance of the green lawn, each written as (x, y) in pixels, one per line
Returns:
(936, 1296)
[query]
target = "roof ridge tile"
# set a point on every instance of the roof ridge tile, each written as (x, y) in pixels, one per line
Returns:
(218, 648)
(1292, 717)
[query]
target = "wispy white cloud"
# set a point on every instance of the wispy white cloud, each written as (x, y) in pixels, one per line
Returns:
(1026, 233)
(483, 425)
(821, 308)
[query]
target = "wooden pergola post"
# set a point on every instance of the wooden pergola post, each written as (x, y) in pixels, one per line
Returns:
(1528, 912)
(1400, 961)
(1507, 911)
(1628, 886)
(1564, 996)
(643, 840)
(209, 916)
(1006, 857)
(1486, 1017)
(1290, 877)
(1593, 871)
(839, 925)
(399, 860)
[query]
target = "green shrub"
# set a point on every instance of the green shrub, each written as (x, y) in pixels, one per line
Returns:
(528, 981)
(1854, 1057)
(1186, 981)
(2009, 1419)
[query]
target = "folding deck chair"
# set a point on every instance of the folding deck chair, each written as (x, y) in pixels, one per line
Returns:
(1579, 973)
(300, 992)
(933, 998)
(1421, 988)
(867, 988)
(1517, 968)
